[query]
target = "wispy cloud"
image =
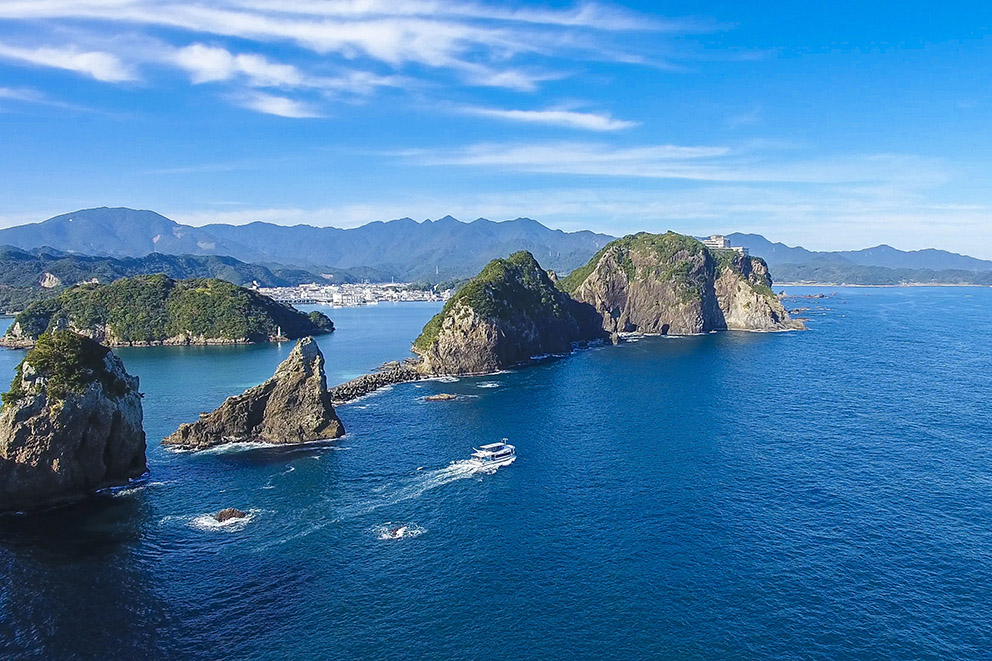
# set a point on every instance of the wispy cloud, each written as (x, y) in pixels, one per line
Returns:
(588, 121)
(22, 94)
(372, 43)
(102, 66)
(280, 106)
(687, 162)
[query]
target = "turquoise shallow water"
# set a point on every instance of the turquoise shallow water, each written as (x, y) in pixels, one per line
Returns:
(825, 494)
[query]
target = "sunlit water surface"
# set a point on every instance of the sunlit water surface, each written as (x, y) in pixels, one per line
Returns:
(825, 494)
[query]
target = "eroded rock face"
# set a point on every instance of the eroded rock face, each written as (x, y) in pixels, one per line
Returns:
(672, 284)
(294, 406)
(71, 424)
(742, 291)
(509, 313)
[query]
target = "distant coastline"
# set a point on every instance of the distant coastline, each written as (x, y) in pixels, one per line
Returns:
(906, 284)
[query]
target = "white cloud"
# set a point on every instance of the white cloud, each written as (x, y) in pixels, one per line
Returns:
(281, 106)
(210, 64)
(474, 40)
(694, 163)
(102, 66)
(566, 118)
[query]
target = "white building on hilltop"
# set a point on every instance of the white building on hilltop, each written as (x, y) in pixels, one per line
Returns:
(720, 242)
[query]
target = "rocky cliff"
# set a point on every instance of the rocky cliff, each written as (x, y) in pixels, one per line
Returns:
(155, 309)
(70, 424)
(294, 406)
(508, 313)
(673, 284)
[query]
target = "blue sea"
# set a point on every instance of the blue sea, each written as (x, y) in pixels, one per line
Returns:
(811, 495)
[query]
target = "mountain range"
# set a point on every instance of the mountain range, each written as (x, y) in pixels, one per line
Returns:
(880, 256)
(26, 275)
(435, 251)
(403, 249)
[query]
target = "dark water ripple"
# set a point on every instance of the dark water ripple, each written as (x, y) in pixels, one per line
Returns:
(819, 495)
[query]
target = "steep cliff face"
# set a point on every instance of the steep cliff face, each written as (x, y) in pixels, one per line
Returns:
(508, 313)
(743, 291)
(294, 406)
(71, 424)
(672, 284)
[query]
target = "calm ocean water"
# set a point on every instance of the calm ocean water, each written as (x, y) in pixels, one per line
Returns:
(812, 495)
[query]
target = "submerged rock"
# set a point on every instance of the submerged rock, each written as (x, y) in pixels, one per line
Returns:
(71, 424)
(294, 406)
(440, 397)
(507, 314)
(229, 513)
(673, 284)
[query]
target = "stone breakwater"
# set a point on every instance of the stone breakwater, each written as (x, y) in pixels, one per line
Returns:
(386, 375)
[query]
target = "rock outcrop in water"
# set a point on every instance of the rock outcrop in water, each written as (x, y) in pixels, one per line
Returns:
(71, 424)
(673, 284)
(294, 406)
(229, 513)
(507, 314)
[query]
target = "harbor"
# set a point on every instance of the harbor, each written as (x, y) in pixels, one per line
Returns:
(354, 295)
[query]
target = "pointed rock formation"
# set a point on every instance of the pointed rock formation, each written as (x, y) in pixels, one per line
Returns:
(293, 406)
(508, 313)
(71, 424)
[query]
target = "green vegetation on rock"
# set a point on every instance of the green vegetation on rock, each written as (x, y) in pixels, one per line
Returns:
(506, 288)
(663, 249)
(69, 363)
(149, 309)
(667, 256)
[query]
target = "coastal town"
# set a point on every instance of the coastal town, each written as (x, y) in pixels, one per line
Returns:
(353, 295)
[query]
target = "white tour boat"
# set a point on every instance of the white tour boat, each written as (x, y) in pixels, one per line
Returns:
(495, 454)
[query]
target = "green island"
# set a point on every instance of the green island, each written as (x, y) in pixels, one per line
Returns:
(155, 309)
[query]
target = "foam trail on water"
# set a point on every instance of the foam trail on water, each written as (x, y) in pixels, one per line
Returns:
(421, 484)
(390, 530)
(270, 484)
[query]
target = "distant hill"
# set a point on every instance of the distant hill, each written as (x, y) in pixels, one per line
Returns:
(883, 256)
(403, 249)
(881, 265)
(855, 274)
(26, 275)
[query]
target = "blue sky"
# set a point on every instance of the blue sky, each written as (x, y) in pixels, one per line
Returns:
(830, 125)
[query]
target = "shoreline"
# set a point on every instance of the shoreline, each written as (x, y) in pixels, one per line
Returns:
(7, 342)
(906, 285)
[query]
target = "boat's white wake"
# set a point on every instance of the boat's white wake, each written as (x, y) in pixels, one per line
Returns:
(271, 483)
(422, 482)
(390, 530)
(488, 384)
